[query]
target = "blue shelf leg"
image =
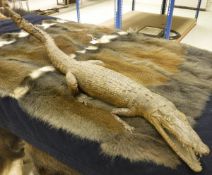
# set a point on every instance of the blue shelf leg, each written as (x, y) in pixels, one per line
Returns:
(198, 8)
(133, 5)
(78, 10)
(169, 18)
(118, 14)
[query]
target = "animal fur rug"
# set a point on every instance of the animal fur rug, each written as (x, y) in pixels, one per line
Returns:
(179, 72)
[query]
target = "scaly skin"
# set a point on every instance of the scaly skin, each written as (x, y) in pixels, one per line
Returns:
(130, 98)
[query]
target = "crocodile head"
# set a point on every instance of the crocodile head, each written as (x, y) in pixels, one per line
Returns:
(174, 127)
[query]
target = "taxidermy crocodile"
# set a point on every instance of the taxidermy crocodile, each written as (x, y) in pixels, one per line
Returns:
(130, 98)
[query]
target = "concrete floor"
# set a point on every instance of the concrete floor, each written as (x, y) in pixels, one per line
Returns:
(96, 12)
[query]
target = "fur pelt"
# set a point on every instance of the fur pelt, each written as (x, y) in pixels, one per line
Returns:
(11, 149)
(19, 157)
(180, 73)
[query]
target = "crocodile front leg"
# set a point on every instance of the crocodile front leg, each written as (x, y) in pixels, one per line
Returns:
(72, 83)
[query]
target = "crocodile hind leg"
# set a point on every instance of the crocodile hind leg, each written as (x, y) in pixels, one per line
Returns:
(123, 112)
(116, 112)
(72, 83)
(126, 125)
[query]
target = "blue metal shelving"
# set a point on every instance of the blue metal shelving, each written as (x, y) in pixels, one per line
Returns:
(78, 10)
(169, 19)
(118, 13)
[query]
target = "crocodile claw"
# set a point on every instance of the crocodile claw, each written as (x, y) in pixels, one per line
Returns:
(174, 127)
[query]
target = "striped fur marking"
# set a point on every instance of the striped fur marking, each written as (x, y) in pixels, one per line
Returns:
(22, 34)
(38, 72)
(5, 42)
(19, 92)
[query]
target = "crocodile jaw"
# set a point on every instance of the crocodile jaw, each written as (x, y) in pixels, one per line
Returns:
(180, 136)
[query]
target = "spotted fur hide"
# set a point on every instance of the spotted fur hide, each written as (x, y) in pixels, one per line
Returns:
(180, 73)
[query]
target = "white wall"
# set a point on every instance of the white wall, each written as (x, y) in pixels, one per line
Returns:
(191, 3)
(209, 5)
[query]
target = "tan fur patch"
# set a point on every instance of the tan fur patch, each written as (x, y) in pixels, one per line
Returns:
(122, 33)
(20, 92)
(92, 48)
(16, 168)
(39, 72)
(22, 34)
(4, 42)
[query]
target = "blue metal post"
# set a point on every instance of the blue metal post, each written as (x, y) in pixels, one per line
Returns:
(198, 8)
(118, 14)
(169, 18)
(78, 10)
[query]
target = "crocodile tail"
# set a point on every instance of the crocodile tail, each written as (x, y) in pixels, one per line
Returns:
(22, 23)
